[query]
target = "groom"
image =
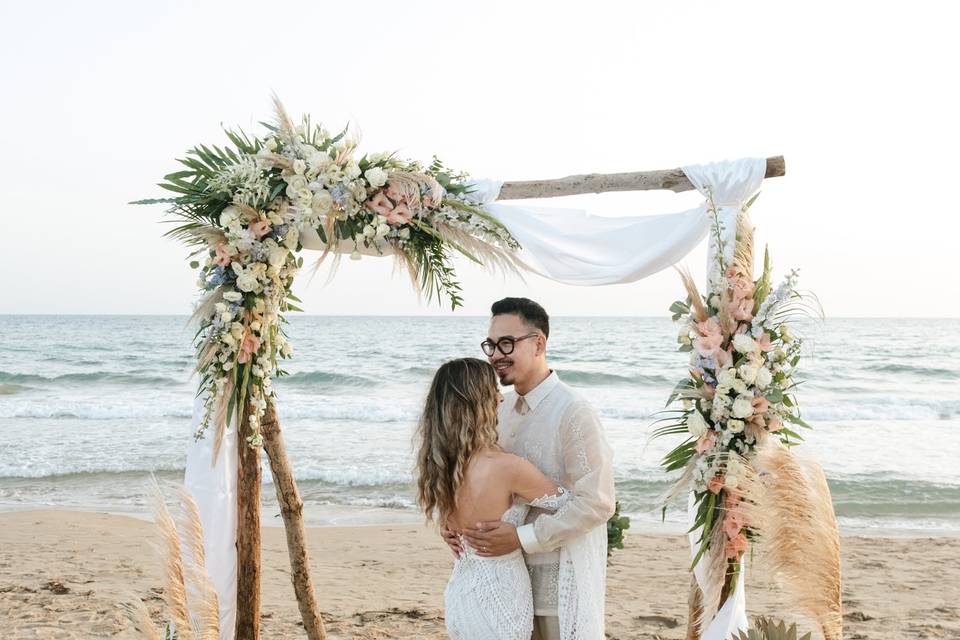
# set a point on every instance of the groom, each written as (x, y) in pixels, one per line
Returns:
(549, 424)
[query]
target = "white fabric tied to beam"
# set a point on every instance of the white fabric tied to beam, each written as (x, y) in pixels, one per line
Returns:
(574, 247)
(213, 484)
(567, 245)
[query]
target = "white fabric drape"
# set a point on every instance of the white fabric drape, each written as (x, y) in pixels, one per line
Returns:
(729, 185)
(567, 245)
(214, 487)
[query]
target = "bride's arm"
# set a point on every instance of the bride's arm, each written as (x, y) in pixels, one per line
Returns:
(529, 483)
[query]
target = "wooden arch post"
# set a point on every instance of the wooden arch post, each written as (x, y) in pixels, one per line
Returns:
(250, 473)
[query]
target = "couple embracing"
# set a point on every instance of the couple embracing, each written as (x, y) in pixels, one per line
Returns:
(521, 484)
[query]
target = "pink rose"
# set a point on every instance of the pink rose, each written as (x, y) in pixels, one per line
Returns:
(260, 228)
(379, 204)
(736, 546)
(248, 347)
(223, 258)
(400, 214)
(706, 441)
(715, 484)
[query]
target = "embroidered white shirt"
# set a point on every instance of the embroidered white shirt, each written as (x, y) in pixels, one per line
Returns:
(559, 432)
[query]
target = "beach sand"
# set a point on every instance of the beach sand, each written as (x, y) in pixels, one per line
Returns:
(64, 573)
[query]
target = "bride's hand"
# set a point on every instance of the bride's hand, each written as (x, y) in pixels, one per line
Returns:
(450, 537)
(494, 538)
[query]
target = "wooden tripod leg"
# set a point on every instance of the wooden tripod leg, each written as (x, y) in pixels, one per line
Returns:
(249, 479)
(291, 508)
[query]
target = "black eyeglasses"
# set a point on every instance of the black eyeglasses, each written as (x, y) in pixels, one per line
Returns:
(504, 344)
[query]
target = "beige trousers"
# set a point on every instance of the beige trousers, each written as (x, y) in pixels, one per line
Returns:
(546, 628)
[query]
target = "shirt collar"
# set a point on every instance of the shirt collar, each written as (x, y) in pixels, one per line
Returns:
(536, 395)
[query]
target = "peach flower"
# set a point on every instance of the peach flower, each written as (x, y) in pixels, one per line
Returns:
(248, 347)
(760, 405)
(706, 441)
(732, 524)
(222, 258)
(715, 484)
(735, 547)
(260, 228)
(394, 193)
(775, 425)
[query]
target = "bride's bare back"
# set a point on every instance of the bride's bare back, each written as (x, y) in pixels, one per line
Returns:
(490, 482)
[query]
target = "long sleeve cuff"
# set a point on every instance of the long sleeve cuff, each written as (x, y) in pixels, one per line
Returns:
(528, 539)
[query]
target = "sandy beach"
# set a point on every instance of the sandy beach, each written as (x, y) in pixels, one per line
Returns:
(63, 574)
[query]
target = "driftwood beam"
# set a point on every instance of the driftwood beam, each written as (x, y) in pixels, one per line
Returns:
(291, 508)
(672, 179)
(249, 479)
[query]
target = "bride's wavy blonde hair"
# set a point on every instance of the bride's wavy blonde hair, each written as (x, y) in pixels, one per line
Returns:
(459, 419)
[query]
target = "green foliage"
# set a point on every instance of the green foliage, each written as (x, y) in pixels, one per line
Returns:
(616, 525)
(766, 629)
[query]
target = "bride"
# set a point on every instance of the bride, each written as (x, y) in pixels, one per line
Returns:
(463, 477)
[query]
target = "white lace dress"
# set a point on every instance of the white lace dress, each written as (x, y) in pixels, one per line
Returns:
(491, 598)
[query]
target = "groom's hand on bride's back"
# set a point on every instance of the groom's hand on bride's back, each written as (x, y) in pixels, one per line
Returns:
(493, 538)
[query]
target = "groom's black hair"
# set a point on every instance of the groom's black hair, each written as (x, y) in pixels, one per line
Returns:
(528, 310)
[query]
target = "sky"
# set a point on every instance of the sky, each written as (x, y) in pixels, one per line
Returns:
(99, 98)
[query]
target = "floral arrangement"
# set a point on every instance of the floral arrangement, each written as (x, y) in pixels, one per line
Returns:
(247, 210)
(740, 391)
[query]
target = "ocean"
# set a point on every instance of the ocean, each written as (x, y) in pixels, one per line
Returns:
(91, 405)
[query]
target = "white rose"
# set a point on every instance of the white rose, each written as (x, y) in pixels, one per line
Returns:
(292, 238)
(233, 296)
(220, 307)
(236, 329)
(228, 340)
(271, 144)
(247, 281)
(322, 201)
(730, 481)
(277, 255)
(764, 378)
(726, 377)
(735, 426)
(405, 233)
(255, 325)
(295, 183)
(226, 317)
(779, 355)
(369, 231)
(229, 216)
(376, 176)
(748, 373)
(696, 425)
(785, 334)
(299, 166)
(744, 343)
(383, 230)
(352, 171)
(742, 407)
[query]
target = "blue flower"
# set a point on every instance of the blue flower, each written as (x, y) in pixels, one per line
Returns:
(340, 194)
